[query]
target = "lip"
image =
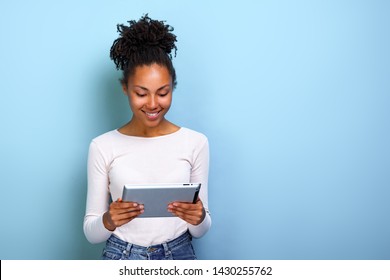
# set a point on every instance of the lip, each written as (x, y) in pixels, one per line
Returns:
(152, 115)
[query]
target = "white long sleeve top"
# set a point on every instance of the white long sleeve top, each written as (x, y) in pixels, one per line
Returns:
(116, 159)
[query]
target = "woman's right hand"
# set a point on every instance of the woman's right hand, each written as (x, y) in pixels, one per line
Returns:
(120, 213)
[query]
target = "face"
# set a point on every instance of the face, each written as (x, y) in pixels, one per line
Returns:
(149, 91)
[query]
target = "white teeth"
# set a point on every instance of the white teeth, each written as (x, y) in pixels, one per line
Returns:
(151, 114)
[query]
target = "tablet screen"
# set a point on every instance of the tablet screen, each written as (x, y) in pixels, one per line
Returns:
(156, 197)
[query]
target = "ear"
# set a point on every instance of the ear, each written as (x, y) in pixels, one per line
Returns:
(124, 89)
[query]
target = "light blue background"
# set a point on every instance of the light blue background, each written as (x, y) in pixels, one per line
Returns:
(293, 95)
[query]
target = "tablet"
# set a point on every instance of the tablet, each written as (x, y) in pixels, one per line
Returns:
(156, 197)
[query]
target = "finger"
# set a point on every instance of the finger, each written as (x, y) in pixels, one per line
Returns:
(125, 204)
(129, 215)
(123, 218)
(189, 205)
(185, 207)
(122, 210)
(192, 219)
(186, 212)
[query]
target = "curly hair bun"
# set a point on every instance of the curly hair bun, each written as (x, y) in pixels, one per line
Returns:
(140, 37)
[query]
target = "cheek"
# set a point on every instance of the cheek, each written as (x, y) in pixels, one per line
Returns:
(135, 102)
(166, 103)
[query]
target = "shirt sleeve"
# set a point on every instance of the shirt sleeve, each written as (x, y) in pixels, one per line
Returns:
(97, 196)
(199, 174)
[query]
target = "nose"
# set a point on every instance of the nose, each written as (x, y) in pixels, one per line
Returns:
(151, 102)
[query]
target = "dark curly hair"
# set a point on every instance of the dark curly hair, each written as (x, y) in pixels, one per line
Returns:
(143, 42)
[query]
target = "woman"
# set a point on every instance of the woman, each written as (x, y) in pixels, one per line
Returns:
(148, 149)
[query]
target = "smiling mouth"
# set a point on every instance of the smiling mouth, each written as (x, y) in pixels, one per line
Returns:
(152, 115)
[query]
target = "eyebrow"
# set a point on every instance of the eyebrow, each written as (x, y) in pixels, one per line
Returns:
(146, 89)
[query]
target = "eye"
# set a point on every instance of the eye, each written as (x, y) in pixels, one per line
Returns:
(163, 94)
(140, 94)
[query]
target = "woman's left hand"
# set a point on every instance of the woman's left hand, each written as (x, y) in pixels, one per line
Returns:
(192, 213)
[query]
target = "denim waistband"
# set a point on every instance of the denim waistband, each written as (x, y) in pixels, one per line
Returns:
(123, 245)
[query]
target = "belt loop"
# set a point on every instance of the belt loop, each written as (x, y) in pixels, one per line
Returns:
(128, 248)
(166, 250)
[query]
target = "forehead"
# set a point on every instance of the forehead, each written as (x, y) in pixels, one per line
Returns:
(150, 76)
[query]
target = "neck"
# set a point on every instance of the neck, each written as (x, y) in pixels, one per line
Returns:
(134, 128)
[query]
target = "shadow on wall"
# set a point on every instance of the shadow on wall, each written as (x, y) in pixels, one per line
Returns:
(107, 109)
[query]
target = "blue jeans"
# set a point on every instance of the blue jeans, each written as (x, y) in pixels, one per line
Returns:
(177, 249)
